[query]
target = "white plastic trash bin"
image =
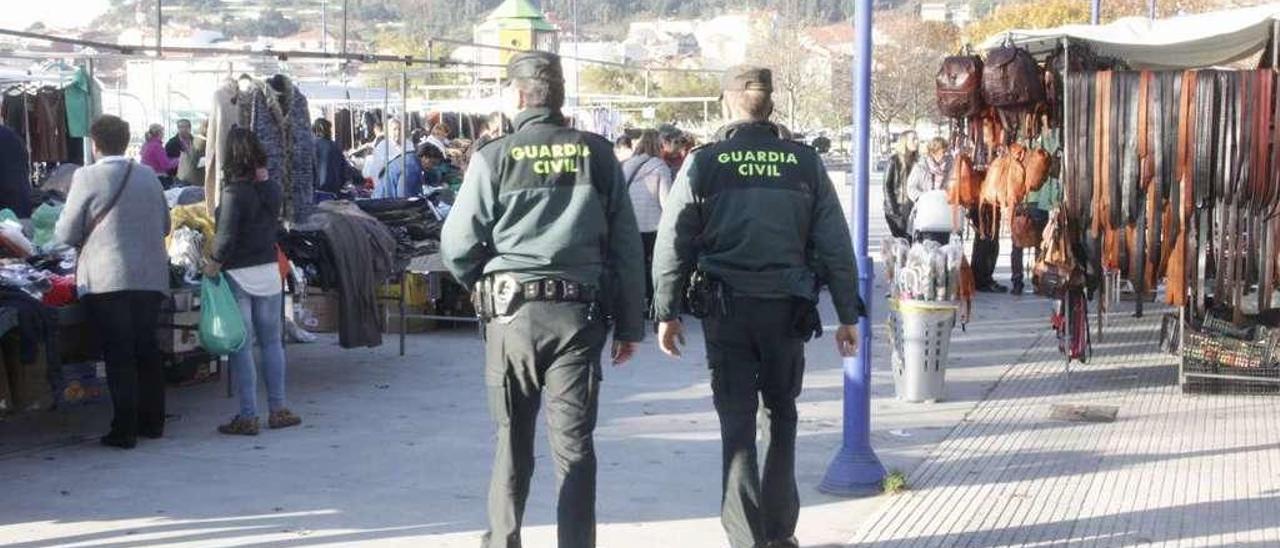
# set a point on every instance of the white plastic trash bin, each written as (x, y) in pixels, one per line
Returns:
(920, 332)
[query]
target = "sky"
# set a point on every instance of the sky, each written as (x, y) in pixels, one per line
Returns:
(21, 14)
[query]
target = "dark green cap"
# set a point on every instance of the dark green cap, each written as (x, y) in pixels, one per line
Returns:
(747, 78)
(536, 65)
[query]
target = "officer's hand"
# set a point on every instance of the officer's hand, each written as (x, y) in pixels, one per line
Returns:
(847, 340)
(671, 337)
(623, 352)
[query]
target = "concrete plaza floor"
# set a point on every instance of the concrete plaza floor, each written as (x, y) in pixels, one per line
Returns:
(396, 451)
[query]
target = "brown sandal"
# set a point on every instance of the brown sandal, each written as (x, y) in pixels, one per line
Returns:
(240, 426)
(283, 418)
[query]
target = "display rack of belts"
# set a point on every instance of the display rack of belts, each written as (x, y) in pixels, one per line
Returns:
(1172, 176)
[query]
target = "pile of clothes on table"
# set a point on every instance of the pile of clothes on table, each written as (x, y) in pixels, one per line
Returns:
(415, 223)
(341, 248)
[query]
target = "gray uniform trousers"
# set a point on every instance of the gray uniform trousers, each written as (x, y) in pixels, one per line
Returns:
(546, 349)
(754, 354)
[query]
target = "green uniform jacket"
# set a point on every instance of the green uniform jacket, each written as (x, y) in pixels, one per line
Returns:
(549, 201)
(744, 210)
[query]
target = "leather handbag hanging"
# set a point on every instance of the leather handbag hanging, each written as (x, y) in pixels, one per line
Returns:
(993, 191)
(1011, 78)
(1015, 177)
(959, 86)
(1058, 268)
(966, 186)
(1037, 165)
(1023, 229)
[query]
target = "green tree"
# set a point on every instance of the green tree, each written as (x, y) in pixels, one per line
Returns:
(608, 80)
(685, 84)
(389, 74)
(1042, 14)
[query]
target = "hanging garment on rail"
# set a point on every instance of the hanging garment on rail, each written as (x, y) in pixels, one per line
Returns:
(277, 114)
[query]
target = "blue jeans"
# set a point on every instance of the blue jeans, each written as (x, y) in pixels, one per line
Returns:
(263, 322)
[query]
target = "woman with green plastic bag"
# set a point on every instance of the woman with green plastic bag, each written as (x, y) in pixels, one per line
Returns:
(244, 254)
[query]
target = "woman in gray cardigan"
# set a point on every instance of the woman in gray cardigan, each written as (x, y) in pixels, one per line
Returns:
(116, 215)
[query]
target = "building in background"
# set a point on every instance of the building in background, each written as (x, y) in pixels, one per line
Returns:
(517, 24)
(956, 13)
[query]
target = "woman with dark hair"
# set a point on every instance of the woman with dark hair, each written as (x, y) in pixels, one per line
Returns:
(245, 250)
(648, 182)
(333, 172)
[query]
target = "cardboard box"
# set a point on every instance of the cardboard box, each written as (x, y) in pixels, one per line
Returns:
(179, 332)
(417, 295)
(192, 369)
(319, 313)
(81, 384)
(28, 382)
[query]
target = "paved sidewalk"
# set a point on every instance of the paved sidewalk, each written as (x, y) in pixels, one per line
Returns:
(1173, 469)
(396, 451)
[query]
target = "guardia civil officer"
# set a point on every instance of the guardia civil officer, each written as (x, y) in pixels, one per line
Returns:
(751, 229)
(543, 229)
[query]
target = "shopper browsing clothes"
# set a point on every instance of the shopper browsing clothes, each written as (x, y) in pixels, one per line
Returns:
(384, 147)
(648, 181)
(116, 215)
(542, 212)
(154, 156)
(244, 250)
(407, 177)
(333, 171)
(183, 143)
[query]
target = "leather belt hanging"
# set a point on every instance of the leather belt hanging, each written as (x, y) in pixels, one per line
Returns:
(1102, 118)
(1181, 196)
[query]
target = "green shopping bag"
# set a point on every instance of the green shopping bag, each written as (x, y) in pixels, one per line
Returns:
(222, 329)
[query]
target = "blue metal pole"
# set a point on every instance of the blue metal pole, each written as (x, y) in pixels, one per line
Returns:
(855, 470)
(1095, 12)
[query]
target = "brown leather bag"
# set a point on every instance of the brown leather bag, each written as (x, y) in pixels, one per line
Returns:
(1058, 268)
(966, 186)
(992, 130)
(1011, 78)
(1023, 229)
(993, 184)
(1015, 177)
(959, 86)
(1037, 163)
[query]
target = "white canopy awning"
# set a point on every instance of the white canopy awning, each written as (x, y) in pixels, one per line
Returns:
(1189, 41)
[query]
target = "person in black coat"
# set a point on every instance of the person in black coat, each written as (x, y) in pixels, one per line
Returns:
(333, 171)
(897, 206)
(15, 174)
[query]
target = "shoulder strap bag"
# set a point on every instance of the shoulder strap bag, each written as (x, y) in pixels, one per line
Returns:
(111, 205)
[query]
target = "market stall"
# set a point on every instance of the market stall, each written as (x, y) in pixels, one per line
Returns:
(1168, 173)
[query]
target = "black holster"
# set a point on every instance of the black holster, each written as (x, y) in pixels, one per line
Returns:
(707, 297)
(806, 322)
